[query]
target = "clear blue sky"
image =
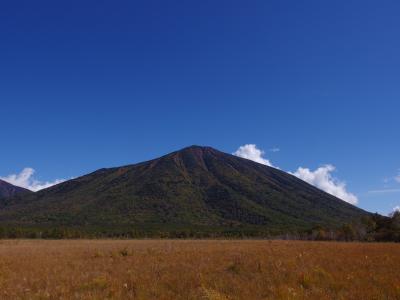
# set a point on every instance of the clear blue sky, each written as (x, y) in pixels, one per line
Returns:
(91, 84)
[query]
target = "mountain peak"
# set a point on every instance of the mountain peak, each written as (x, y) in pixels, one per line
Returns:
(196, 151)
(198, 148)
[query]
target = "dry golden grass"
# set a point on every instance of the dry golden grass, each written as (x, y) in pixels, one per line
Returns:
(166, 269)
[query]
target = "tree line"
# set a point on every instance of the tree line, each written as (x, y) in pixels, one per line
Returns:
(369, 229)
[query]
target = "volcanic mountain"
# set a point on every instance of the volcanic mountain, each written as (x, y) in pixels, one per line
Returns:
(8, 190)
(199, 188)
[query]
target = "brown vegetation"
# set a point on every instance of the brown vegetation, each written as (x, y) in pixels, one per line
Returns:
(186, 269)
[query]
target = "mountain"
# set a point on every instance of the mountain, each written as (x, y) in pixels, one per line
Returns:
(8, 190)
(196, 188)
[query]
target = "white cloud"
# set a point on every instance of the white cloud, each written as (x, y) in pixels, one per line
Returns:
(275, 149)
(250, 151)
(396, 208)
(397, 178)
(26, 180)
(323, 179)
(320, 178)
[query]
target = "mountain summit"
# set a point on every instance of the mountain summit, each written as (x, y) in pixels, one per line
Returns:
(196, 187)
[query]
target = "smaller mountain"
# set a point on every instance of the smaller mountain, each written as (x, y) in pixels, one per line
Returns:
(8, 190)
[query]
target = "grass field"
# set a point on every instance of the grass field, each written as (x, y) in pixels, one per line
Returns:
(185, 269)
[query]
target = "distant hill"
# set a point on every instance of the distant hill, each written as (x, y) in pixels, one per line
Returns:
(196, 188)
(8, 190)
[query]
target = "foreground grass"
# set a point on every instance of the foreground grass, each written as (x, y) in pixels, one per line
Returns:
(165, 269)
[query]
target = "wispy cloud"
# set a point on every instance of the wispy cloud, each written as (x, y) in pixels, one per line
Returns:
(275, 149)
(395, 178)
(26, 180)
(384, 191)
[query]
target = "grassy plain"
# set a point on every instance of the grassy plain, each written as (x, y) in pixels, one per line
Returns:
(198, 269)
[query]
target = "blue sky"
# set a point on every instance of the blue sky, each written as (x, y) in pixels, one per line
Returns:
(91, 84)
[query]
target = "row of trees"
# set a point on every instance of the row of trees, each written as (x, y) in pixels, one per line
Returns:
(371, 228)
(67, 233)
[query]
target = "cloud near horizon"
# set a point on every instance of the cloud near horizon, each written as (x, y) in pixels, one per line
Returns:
(26, 180)
(320, 178)
(384, 191)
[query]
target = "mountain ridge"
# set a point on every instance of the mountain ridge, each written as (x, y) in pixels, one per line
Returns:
(9, 190)
(195, 187)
